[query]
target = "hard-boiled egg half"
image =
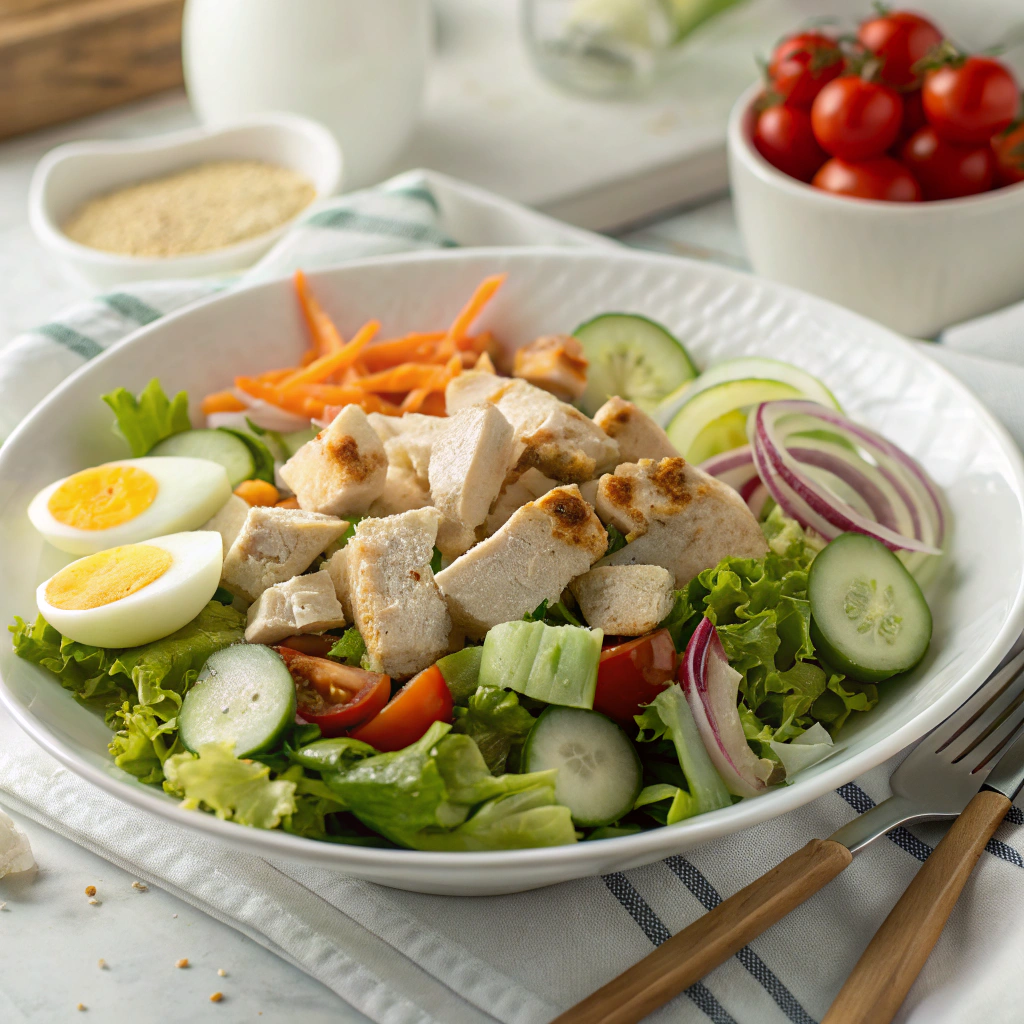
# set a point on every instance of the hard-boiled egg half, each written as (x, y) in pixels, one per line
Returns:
(128, 501)
(135, 593)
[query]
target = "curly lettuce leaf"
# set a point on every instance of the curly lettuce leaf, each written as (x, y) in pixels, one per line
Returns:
(143, 742)
(496, 722)
(145, 421)
(234, 789)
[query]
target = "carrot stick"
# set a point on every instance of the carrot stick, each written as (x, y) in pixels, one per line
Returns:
(223, 401)
(414, 400)
(382, 355)
(273, 376)
(271, 393)
(334, 362)
(485, 290)
(405, 377)
(325, 335)
(434, 404)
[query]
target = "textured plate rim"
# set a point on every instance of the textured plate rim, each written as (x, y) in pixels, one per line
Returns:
(583, 858)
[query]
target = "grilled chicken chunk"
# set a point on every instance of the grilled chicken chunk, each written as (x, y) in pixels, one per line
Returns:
(639, 437)
(274, 545)
(342, 470)
(228, 520)
(555, 363)
(624, 600)
(467, 467)
(408, 440)
(402, 492)
(303, 604)
(551, 436)
(386, 578)
(543, 546)
(516, 491)
(676, 516)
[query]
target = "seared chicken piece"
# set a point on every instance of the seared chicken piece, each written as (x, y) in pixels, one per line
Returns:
(228, 520)
(551, 436)
(342, 470)
(624, 600)
(402, 492)
(533, 557)
(555, 363)
(303, 604)
(467, 467)
(589, 491)
(396, 605)
(515, 493)
(675, 515)
(274, 545)
(337, 569)
(638, 435)
(409, 439)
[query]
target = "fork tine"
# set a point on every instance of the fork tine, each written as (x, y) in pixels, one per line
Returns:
(975, 708)
(989, 727)
(1006, 734)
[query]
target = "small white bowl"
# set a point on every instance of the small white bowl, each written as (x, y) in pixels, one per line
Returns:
(916, 267)
(70, 175)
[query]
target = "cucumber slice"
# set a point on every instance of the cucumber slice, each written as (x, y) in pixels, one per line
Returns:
(294, 440)
(555, 664)
(215, 446)
(244, 695)
(708, 406)
(632, 357)
(461, 672)
(599, 774)
(747, 368)
(721, 435)
(869, 618)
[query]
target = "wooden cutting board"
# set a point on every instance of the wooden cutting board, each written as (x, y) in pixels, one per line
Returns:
(61, 59)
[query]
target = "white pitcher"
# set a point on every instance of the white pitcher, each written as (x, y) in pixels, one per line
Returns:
(357, 66)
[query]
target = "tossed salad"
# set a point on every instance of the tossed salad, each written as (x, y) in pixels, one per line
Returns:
(392, 596)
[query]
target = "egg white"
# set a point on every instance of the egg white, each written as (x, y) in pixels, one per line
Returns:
(155, 611)
(189, 492)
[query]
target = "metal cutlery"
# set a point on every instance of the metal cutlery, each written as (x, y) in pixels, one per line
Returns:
(939, 780)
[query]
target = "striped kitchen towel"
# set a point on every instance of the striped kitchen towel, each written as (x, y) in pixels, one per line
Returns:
(406, 958)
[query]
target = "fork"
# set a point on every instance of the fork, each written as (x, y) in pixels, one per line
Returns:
(940, 777)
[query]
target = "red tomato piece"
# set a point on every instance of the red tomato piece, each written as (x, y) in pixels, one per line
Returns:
(881, 178)
(945, 171)
(333, 696)
(784, 137)
(423, 700)
(632, 674)
(899, 39)
(970, 100)
(855, 119)
(1008, 148)
(801, 65)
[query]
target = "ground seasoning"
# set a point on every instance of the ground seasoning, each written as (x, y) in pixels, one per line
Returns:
(206, 207)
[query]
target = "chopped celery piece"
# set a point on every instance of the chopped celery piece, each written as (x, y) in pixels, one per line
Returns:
(554, 664)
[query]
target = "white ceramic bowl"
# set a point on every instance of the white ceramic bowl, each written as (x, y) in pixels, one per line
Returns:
(915, 267)
(880, 379)
(70, 175)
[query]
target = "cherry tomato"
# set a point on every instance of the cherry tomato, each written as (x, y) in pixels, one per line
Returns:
(784, 137)
(855, 119)
(1008, 148)
(333, 696)
(632, 674)
(423, 700)
(801, 65)
(913, 117)
(311, 643)
(880, 178)
(945, 171)
(969, 102)
(899, 39)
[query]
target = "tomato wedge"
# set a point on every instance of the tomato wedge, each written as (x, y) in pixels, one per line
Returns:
(634, 673)
(423, 700)
(333, 696)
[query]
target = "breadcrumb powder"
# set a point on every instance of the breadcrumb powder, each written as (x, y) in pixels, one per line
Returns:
(205, 207)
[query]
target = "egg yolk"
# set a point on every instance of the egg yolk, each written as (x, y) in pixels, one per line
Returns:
(107, 576)
(102, 497)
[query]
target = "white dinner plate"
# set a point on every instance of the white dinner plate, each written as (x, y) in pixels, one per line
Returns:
(880, 379)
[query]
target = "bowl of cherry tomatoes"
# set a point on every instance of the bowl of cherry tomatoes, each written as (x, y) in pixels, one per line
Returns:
(884, 170)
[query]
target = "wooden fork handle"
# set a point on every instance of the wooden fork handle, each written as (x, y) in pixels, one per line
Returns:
(894, 957)
(690, 954)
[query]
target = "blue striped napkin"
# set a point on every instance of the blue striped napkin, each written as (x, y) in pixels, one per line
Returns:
(403, 958)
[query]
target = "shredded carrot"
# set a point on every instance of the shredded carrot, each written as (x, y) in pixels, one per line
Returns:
(325, 335)
(393, 375)
(483, 294)
(223, 401)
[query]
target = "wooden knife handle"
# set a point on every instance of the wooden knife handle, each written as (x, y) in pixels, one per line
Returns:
(894, 957)
(690, 954)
